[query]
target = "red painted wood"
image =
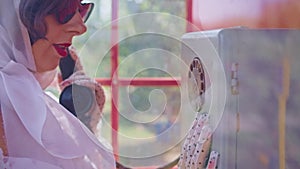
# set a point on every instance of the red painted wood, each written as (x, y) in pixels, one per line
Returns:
(114, 77)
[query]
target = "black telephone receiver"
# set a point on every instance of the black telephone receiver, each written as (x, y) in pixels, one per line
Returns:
(67, 66)
(77, 99)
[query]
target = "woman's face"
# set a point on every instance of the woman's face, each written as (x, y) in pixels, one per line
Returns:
(47, 52)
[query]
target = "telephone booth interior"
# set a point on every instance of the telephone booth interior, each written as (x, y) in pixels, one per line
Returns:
(140, 51)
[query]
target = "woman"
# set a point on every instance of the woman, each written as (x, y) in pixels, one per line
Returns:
(36, 132)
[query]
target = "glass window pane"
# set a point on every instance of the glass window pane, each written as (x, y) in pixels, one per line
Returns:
(149, 130)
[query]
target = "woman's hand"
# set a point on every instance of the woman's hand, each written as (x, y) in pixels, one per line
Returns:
(196, 153)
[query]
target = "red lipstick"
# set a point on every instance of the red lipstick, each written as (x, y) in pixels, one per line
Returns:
(62, 49)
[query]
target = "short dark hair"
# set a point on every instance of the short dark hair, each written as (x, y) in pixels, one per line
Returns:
(33, 13)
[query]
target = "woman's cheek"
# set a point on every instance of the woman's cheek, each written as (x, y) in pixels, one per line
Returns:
(45, 56)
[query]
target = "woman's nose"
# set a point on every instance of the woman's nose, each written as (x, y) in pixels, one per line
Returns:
(77, 25)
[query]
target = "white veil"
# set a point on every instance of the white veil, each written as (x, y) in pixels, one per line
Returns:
(32, 131)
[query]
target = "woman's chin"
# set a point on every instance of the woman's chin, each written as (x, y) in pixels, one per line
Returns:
(48, 66)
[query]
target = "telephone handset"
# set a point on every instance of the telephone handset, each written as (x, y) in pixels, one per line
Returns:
(76, 98)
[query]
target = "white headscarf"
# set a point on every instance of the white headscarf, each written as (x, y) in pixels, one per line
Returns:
(15, 43)
(36, 127)
(15, 58)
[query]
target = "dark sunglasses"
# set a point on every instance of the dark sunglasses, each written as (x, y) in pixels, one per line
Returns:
(67, 14)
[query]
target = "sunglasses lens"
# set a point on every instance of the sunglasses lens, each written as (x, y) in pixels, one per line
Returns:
(67, 14)
(85, 10)
(64, 18)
